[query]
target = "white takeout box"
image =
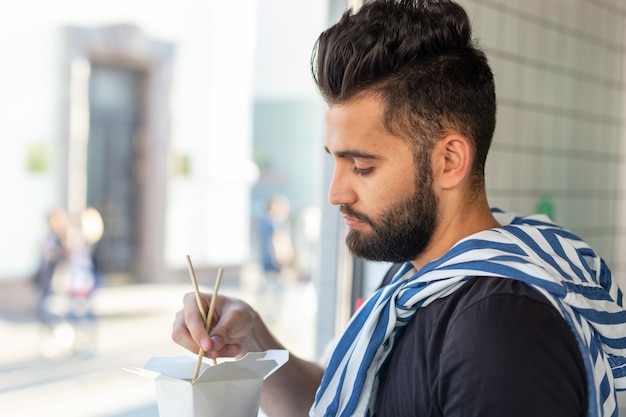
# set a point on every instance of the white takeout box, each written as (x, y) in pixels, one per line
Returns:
(228, 389)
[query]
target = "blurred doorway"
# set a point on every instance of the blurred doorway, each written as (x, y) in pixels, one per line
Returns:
(118, 144)
(114, 122)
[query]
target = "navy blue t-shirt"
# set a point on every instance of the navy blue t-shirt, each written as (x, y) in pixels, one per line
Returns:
(493, 348)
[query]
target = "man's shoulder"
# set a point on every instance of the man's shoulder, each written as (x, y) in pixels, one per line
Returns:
(478, 288)
(486, 298)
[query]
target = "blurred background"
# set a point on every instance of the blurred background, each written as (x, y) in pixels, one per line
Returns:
(135, 133)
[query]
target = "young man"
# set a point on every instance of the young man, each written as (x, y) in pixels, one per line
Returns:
(491, 315)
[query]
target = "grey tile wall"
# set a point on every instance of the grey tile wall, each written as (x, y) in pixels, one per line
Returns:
(559, 69)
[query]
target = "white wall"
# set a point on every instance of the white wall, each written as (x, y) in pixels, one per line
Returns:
(286, 33)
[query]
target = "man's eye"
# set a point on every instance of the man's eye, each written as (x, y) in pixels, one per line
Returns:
(362, 171)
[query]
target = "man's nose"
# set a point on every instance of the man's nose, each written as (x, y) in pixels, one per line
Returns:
(340, 191)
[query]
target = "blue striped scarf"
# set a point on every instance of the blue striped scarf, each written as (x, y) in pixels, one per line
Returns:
(529, 249)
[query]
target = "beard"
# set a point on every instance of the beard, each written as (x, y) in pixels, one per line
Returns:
(403, 231)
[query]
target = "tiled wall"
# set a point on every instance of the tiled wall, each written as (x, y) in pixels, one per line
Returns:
(559, 68)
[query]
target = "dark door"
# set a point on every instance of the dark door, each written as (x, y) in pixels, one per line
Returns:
(112, 155)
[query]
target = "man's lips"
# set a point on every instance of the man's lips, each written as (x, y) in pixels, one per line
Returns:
(352, 221)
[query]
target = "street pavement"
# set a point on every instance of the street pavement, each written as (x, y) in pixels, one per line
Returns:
(40, 375)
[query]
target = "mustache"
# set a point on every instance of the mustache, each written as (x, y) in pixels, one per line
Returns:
(350, 212)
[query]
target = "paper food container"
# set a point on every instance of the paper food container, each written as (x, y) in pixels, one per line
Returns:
(228, 389)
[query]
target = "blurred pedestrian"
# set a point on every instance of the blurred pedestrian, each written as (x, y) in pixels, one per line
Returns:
(276, 252)
(67, 280)
(84, 279)
(53, 252)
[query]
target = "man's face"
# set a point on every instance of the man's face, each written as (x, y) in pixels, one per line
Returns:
(387, 202)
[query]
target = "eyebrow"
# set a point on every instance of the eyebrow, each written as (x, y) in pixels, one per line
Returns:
(352, 154)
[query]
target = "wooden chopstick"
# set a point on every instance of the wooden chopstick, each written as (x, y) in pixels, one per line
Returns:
(206, 317)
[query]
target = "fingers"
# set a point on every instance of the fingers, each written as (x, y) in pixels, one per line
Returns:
(181, 335)
(189, 330)
(231, 325)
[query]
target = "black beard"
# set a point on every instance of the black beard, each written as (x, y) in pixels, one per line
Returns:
(403, 231)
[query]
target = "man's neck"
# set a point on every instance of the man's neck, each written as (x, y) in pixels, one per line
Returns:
(454, 225)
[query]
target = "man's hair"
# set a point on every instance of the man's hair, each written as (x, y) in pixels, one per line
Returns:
(418, 55)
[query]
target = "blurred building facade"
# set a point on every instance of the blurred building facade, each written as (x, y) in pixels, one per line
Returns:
(148, 113)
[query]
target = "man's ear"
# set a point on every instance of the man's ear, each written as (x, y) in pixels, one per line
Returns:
(452, 160)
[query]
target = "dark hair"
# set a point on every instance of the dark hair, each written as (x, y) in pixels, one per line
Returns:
(418, 55)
